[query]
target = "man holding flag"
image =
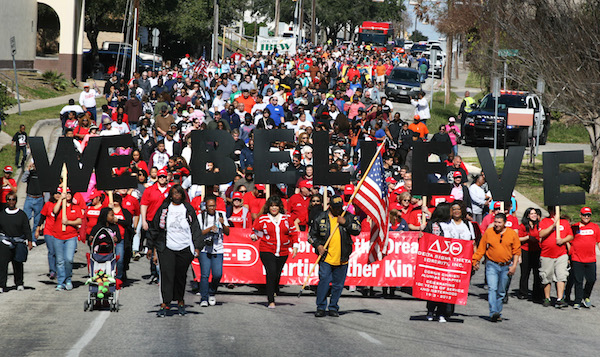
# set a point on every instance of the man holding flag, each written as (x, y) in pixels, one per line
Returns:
(335, 255)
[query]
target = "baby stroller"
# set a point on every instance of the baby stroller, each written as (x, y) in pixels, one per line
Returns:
(102, 268)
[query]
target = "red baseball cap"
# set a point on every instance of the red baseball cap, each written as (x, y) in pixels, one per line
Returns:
(417, 117)
(60, 189)
(8, 168)
(586, 210)
(96, 194)
(306, 183)
(456, 174)
(260, 187)
(496, 205)
(162, 172)
(238, 195)
(390, 180)
(348, 189)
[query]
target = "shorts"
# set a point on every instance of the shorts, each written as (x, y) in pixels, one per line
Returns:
(381, 79)
(554, 269)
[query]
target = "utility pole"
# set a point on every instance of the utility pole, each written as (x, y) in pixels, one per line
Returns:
(313, 22)
(215, 45)
(276, 18)
(134, 47)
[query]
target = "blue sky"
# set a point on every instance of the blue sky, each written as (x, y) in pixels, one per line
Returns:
(428, 30)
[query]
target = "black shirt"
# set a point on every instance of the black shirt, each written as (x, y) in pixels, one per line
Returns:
(15, 224)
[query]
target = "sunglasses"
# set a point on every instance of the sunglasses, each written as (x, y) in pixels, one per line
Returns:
(11, 199)
(162, 176)
(587, 215)
(315, 201)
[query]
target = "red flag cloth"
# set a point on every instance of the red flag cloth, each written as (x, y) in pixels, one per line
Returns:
(201, 67)
(443, 269)
(372, 198)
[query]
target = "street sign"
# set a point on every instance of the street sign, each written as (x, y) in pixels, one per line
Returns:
(541, 85)
(13, 45)
(508, 53)
(155, 34)
(496, 87)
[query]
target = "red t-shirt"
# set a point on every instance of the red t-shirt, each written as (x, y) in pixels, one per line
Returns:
(533, 244)
(49, 223)
(197, 204)
(549, 247)
(254, 204)
(298, 208)
(153, 197)
(414, 217)
(511, 222)
(132, 205)
(73, 212)
(6, 189)
(583, 246)
(91, 218)
(242, 219)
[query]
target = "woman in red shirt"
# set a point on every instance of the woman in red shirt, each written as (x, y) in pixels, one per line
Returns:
(529, 235)
(47, 220)
(66, 239)
(277, 234)
(239, 216)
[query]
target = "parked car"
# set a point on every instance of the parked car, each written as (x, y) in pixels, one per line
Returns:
(402, 84)
(478, 128)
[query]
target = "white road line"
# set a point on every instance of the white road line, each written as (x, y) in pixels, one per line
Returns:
(368, 337)
(89, 334)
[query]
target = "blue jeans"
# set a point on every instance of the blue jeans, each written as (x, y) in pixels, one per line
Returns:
(120, 251)
(19, 150)
(51, 253)
(33, 207)
(334, 275)
(65, 252)
(210, 263)
(455, 149)
(497, 280)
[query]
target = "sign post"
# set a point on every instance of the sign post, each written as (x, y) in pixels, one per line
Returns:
(13, 50)
(432, 63)
(504, 53)
(541, 86)
(155, 40)
(496, 94)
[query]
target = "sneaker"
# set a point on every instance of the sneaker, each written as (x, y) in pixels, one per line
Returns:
(442, 319)
(212, 301)
(34, 244)
(198, 293)
(429, 317)
(20, 288)
(203, 303)
(181, 310)
(320, 313)
(334, 313)
(560, 304)
(162, 312)
(546, 302)
(69, 286)
(136, 256)
(576, 306)
(1, 290)
(495, 317)
(587, 303)
(52, 275)
(60, 288)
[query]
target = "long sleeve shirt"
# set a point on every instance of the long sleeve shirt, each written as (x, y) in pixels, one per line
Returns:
(477, 198)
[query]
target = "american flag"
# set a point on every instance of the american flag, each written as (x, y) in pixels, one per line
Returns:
(372, 198)
(201, 67)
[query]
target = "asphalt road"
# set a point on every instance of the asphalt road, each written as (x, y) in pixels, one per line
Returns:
(43, 322)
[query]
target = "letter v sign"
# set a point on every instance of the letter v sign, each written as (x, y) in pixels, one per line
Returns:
(503, 186)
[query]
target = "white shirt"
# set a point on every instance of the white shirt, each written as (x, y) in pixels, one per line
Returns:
(462, 231)
(71, 108)
(219, 104)
(112, 131)
(88, 99)
(217, 247)
(179, 233)
(421, 108)
(477, 196)
(123, 127)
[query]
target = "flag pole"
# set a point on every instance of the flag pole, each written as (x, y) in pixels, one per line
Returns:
(337, 226)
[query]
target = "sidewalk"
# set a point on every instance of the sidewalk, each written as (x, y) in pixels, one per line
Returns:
(43, 103)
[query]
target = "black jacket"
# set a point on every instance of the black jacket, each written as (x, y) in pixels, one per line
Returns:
(320, 230)
(147, 148)
(158, 233)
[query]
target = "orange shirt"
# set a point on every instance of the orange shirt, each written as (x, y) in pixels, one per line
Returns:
(499, 248)
(419, 128)
(380, 70)
(248, 103)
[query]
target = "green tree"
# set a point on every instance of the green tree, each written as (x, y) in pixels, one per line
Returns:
(99, 13)
(418, 36)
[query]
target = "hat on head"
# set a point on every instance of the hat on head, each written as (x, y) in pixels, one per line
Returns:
(93, 126)
(96, 194)
(586, 210)
(451, 119)
(417, 117)
(386, 108)
(306, 184)
(260, 187)
(336, 202)
(162, 172)
(8, 168)
(348, 189)
(456, 174)
(106, 121)
(238, 195)
(249, 170)
(60, 189)
(496, 205)
(86, 85)
(391, 180)
(185, 114)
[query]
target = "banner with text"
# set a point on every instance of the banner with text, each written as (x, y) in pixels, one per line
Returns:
(242, 265)
(282, 44)
(443, 269)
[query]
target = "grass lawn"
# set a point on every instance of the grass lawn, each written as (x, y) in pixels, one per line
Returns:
(572, 134)
(474, 80)
(530, 183)
(441, 113)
